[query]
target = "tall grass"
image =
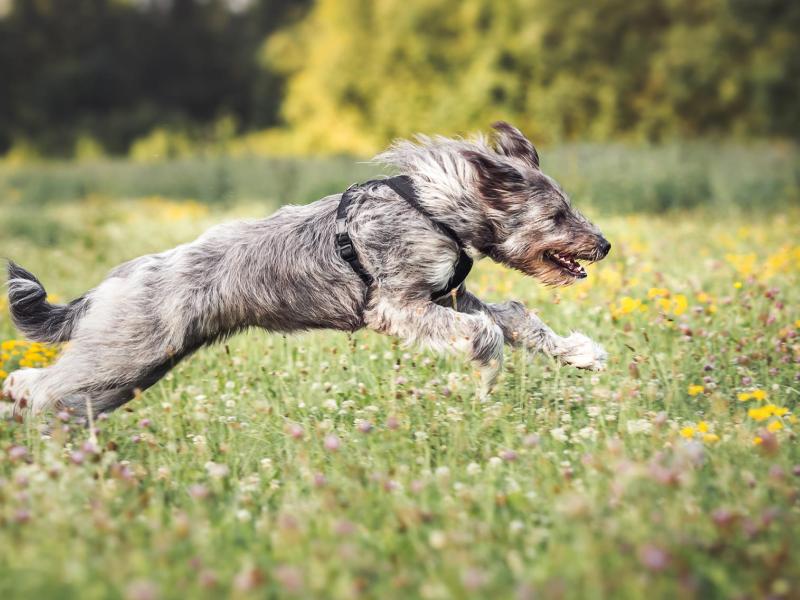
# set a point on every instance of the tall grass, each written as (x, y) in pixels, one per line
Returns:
(328, 465)
(613, 179)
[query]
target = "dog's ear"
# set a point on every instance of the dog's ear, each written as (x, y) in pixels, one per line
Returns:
(511, 142)
(498, 182)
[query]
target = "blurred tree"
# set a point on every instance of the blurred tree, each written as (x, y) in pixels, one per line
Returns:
(361, 72)
(348, 75)
(114, 69)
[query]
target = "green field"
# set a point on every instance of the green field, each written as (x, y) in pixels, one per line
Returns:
(328, 465)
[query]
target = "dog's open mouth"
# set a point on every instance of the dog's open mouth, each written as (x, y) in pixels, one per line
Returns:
(566, 263)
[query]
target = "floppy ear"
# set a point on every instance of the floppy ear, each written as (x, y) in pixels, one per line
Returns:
(511, 142)
(497, 181)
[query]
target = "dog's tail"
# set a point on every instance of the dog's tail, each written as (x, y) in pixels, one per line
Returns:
(33, 315)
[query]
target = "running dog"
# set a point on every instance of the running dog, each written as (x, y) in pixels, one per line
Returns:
(377, 256)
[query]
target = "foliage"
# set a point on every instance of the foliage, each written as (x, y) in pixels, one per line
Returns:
(112, 70)
(361, 73)
(325, 465)
(333, 76)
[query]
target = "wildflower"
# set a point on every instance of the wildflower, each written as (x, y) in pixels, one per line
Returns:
(744, 396)
(687, 432)
(763, 413)
(695, 389)
(679, 305)
(332, 442)
(654, 558)
(217, 470)
(639, 426)
(702, 427)
(508, 455)
(758, 414)
(774, 426)
(710, 438)
(437, 539)
(656, 292)
(759, 395)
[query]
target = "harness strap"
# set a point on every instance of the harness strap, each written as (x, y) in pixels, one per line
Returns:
(403, 187)
(343, 241)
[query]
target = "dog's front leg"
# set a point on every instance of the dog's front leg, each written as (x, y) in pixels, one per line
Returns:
(522, 328)
(441, 329)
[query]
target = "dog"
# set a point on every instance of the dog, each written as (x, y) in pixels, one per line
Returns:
(285, 273)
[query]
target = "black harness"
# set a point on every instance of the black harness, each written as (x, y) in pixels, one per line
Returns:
(404, 188)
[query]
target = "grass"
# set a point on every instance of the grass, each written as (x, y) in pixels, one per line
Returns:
(327, 465)
(614, 179)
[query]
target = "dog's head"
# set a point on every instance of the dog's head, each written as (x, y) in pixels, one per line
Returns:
(534, 226)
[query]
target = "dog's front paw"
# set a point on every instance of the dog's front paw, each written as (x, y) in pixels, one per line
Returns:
(583, 353)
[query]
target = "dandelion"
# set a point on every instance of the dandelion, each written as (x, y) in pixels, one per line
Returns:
(695, 389)
(687, 432)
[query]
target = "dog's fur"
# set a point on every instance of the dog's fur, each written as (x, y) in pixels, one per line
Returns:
(283, 273)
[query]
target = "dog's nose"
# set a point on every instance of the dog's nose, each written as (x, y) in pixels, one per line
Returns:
(605, 247)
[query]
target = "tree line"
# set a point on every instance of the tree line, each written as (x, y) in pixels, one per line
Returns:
(348, 75)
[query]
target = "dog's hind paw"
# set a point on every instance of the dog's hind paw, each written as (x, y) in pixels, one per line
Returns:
(580, 351)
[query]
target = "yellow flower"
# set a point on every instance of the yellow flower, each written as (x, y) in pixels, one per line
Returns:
(680, 304)
(656, 292)
(737, 285)
(694, 390)
(710, 438)
(797, 324)
(774, 426)
(9, 344)
(759, 394)
(687, 432)
(759, 414)
(744, 396)
(703, 298)
(702, 427)
(765, 412)
(757, 440)
(3, 374)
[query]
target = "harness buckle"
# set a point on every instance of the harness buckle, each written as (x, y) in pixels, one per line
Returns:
(346, 250)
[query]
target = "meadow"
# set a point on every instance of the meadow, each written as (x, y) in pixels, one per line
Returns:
(340, 466)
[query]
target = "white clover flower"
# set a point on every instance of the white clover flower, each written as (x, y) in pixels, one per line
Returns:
(637, 426)
(559, 434)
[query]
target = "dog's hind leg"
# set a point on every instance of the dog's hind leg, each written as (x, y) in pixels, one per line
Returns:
(523, 329)
(442, 329)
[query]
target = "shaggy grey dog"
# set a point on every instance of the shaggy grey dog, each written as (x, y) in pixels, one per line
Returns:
(284, 273)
